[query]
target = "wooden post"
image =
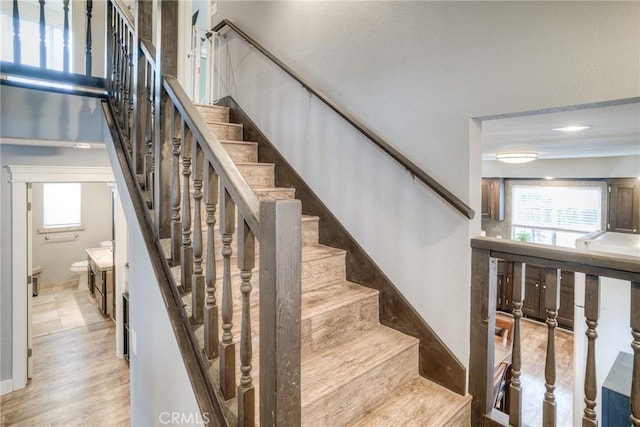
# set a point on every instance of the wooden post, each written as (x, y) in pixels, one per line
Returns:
(166, 63)
(43, 36)
(88, 59)
(197, 280)
(227, 347)
(211, 309)
(17, 57)
(592, 313)
(66, 55)
(280, 312)
(186, 255)
(140, 82)
(515, 389)
(246, 262)
(484, 284)
(551, 303)
(635, 345)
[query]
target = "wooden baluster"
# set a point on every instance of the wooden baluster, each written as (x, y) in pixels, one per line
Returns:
(113, 45)
(131, 92)
(186, 256)
(176, 236)
(515, 389)
(152, 137)
(87, 66)
(148, 132)
(246, 262)
(66, 54)
(43, 37)
(211, 309)
(552, 301)
(592, 313)
(17, 57)
(197, 281)
(122, 71)
(635, 345)
(227, 347)
(116, 56)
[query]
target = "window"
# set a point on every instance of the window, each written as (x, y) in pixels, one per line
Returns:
(555, 215)
(61, 205)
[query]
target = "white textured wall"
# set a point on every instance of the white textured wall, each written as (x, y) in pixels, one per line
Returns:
(56, 257)
(416, 72)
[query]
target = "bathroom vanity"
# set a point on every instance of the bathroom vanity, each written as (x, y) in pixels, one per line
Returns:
(100, 277)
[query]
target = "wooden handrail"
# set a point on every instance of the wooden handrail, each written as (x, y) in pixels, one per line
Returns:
(451, 198)
(125, 12)
(623, 267)
(244, 197)
(149, 51)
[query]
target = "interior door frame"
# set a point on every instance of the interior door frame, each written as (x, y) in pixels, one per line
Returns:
(20, 176)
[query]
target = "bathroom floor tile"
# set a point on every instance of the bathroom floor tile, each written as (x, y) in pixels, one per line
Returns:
(45, 316)
(43, 299)
(40, 308)
(46, 327)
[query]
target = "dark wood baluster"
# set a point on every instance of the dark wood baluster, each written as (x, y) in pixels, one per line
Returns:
(131, 70)
(246, 262)
(17, 57)
(176, 232)
(43, 37)
(211, 309)
(197, 281)
(186, 256)
(515, 389)
(592, 313)
(635, 345)
(152, 151)
(227, 347)
(552, 301)
(116, 57)
(114, 50)
(122, 71)
(87, 66)
(66, 54)
(148, 132)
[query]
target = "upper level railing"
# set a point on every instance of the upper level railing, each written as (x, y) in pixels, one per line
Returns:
(189, 179)
(441, 190)
(485, 253)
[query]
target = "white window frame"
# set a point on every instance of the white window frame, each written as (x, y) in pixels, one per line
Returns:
(591, 183)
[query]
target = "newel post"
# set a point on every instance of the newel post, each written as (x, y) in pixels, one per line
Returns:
(280, 312)
(166, 64)
(484, 276)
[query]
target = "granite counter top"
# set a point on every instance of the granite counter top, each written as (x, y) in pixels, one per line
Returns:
(102, 257)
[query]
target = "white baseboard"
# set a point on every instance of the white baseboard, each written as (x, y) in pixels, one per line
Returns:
(6, 386)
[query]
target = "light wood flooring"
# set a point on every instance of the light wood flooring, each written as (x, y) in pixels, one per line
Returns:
(534, 345)
(77, 379)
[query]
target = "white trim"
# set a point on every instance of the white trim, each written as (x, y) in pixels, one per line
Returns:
(60, 174)
(6, 386)
(19, 177)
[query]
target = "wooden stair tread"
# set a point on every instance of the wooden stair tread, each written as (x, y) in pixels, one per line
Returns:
(235, 142)
(333, 295)
(418, 403)
(349, 360)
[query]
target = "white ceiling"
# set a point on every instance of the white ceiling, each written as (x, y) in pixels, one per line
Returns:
(615, 131)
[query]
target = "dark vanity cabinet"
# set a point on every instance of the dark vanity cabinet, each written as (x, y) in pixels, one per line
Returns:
(493, 199)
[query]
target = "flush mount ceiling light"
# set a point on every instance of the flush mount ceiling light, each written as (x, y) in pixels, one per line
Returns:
(517, 158)
(572, 128)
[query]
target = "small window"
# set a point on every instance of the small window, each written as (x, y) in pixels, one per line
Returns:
(61, 205)
(555, 215)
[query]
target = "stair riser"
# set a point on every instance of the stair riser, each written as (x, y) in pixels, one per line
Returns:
(348, 402)
(242, 153)
(317, 273)
(258, 175)
(228, 131)
(213, 114)
(339, 325)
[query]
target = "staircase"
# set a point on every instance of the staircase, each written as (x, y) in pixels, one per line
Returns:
(355, 371)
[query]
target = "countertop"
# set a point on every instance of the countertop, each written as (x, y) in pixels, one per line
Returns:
(102, 257)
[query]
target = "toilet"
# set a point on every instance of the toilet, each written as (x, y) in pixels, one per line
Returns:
(80, 269)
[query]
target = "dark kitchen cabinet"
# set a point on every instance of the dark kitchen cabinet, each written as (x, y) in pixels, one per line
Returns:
(534, 288)
(493, 198)
(624, 205)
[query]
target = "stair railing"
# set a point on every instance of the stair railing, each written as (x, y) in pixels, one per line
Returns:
(393, 152)
(485, 253)
(45, 47)
(171, 149)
